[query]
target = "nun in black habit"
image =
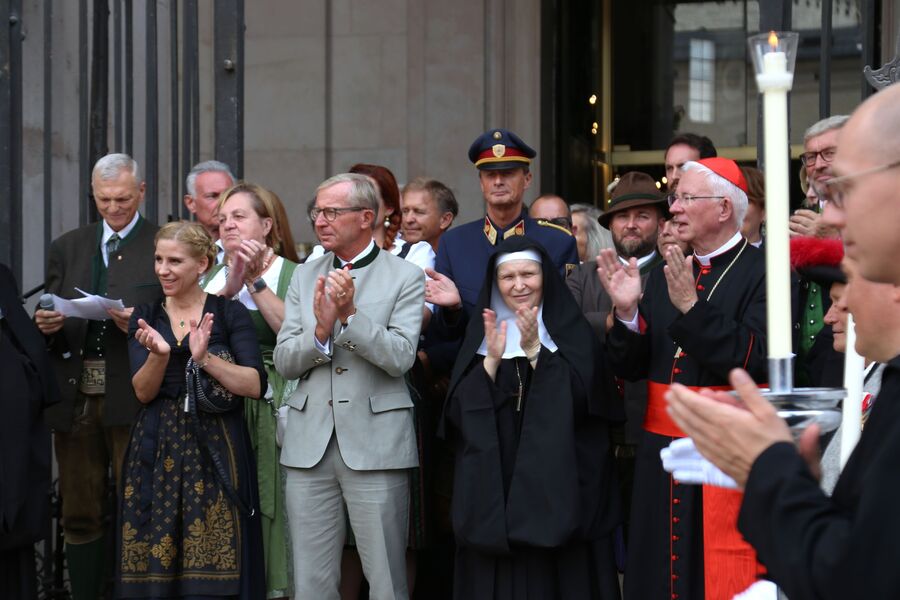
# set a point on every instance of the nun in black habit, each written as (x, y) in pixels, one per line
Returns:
(534, 496)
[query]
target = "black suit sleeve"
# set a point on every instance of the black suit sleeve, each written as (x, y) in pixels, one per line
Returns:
(628, 352)
(812, 545)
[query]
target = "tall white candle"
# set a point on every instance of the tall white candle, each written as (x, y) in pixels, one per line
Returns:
(774, 82)
(851, 415)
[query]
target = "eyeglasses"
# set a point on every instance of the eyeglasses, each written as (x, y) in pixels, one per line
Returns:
(688, 198)
(332, 213)
(809, 158)
(834, 189)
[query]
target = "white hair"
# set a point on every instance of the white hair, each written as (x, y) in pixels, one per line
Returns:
(362, 191)
(719, 186)
(111, 166)
(826, 124)
(207, 166)
(598, 236)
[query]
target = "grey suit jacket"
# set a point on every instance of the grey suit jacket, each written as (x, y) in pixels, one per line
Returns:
(359, 392)
(131, 277)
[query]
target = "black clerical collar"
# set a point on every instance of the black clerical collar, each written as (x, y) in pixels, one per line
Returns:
(361, 260)
(724, 253)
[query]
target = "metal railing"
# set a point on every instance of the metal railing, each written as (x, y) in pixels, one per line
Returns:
(138, 81)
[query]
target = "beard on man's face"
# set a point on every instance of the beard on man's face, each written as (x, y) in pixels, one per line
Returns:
(637, 248)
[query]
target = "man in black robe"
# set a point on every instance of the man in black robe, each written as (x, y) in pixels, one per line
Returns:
(534, 496)
(28, 387)
(636, 212)
(698, 318)
(815, 546)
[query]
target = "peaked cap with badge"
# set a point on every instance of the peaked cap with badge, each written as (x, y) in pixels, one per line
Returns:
(498, 149)
(633, 189)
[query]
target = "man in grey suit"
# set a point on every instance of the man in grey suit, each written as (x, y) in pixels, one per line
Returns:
(352, 321)
(636, 213)
(91, 424)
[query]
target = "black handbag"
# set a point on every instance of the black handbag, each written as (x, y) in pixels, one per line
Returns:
(209, 395)
(218, 401)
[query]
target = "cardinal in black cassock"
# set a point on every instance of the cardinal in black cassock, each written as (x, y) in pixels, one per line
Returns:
(534, 496)
(684, 541)
(28, 387)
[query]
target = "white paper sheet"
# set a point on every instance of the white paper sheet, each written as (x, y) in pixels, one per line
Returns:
(90, 306)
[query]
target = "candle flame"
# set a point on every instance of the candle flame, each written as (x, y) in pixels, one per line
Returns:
(773, 40)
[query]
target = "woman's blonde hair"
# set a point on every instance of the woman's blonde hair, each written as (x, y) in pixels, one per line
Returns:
(194, 236)
(267, 206)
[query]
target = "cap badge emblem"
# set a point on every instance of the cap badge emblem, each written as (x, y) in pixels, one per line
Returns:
(499, 150)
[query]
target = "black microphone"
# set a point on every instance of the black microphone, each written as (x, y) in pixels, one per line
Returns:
(46, 303)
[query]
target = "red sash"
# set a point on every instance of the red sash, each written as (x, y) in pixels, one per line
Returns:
(729, 563)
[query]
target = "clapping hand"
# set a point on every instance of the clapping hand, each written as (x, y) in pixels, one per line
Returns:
(806, 222)
(679, 273)
(529, 340)
(199, 340)
(441, 291)
(254, 256)
(495, 338)
(730, 432)
(621, 282)
(324, 310)
(245, 265)
(151, 339)
(339, 288)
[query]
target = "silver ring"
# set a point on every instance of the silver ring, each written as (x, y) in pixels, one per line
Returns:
(341, 294)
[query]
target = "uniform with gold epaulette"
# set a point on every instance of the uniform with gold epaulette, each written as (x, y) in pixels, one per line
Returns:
(464, 250)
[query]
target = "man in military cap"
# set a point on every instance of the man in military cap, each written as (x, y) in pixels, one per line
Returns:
(503, 161)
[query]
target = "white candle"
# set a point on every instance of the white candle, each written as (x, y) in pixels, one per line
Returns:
(774, 82)
(851, 416)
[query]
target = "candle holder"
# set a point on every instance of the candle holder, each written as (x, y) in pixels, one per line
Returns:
(774, 56)
(801, 407)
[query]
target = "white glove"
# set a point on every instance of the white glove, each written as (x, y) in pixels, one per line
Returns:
(761, 590)
(687, 465)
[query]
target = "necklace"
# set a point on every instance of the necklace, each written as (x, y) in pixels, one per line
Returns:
(172, 319)
(521, 388)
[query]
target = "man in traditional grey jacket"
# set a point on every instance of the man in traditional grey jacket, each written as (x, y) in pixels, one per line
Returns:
(352, 321)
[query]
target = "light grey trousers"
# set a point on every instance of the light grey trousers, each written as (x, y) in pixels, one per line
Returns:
(378, 506)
